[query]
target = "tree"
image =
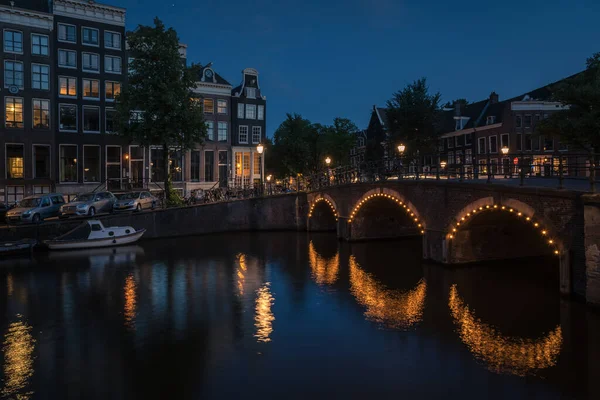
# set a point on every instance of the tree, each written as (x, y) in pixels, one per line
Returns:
(158, 106)
(579, 125)
(413, 117)
(336, 141)
(450, 104)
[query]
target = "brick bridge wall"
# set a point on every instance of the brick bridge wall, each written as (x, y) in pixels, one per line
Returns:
(438, 205)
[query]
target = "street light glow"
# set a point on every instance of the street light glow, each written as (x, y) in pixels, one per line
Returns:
(401, 148)
(328, 161)
(260, 148)
(505, 150)
(443, 164)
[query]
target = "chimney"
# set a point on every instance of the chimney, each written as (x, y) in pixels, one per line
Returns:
(457, 108)
(493, 98)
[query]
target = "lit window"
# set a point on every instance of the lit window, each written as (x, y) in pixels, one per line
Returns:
(243, 134)
(89, 36)
(67, 86)
(67, 33)
(222, 106)
(261, 112)
(112, 90)
(90, 62)
(250, 111)
(209, 106)
(91, 88)
(14, 161)
(13, 41)
(222, 132)
(210, 130)
(67, 58)
(13, 74)
(39, 45)
(91, 119)
(112, 40)
(14, 112)
(40, 76)
(112, 64)
(67, 117)
(41, 114)
(256, 131)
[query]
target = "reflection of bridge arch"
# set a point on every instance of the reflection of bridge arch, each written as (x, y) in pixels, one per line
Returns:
(393, 308)
(324, 271)
(503, 354)
(394, 196)
(509, 207)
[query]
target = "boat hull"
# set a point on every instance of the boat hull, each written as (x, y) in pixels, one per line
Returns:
(17, 248)
(95, 243)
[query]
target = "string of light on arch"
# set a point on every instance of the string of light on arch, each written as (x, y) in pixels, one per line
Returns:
(409, 212)
(317, 201)
(543, 231)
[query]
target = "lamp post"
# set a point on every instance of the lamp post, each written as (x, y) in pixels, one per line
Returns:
(269, 177)
(401, 148)
(507, 166)
(260, 148)
(328, 162)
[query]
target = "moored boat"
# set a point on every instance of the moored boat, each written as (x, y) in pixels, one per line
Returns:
(17, 247)
(92, 234)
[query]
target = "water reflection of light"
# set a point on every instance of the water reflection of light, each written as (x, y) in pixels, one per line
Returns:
(393, 308)
(503, 354)
(18, 360)
(9, 284)
(263, 318)
(241, 273)
(130, 302)
(324, 271)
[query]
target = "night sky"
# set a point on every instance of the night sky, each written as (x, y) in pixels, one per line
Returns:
(328, 58)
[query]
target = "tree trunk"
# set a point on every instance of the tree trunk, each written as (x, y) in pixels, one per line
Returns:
(167, 172)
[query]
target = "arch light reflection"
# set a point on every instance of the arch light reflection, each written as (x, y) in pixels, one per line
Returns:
(18, 348)
(393, 308)
(263, 317)
(130, 290)
(324, 271)
(503, 354)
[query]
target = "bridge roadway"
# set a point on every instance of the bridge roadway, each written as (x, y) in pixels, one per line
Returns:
(471, 221)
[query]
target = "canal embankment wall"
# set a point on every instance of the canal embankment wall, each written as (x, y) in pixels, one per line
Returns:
(282, 212)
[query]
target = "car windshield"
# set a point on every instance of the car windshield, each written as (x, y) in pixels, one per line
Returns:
(29, 203)
(85, 197)
(129, 196)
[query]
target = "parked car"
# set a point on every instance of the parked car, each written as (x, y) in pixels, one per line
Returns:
(36, 208)
(135, 201)
(88, 204)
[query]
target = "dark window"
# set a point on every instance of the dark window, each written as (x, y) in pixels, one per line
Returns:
(40, 76)
(195, 165)
(90, 62)
(519, 142)
(481, 145)
(176, 161)
(504, 140)
(91, 119)
(68, 117)
(112, 40)
(209, 165)
(67, 33)
(91, 163)
(528, 142)
(14, 161)
(13, 41)
(467, 139)
(110, 120)
(41, 164)
(527, 120)
(157, 161)
(90, 36)
(68, 163)
(67, 58)
(13, 73)
(39, 45)
(536, 143)
(113, 154)
(493, 144)
(549, 144)
(518, 121)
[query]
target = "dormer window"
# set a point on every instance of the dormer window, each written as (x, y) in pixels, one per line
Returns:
(491, 119)
(458, 126)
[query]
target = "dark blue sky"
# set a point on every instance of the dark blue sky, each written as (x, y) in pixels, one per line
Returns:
(328, 58)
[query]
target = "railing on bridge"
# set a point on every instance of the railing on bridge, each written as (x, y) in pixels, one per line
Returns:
(550, 170)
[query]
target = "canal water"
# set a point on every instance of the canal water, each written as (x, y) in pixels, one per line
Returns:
(289, 316)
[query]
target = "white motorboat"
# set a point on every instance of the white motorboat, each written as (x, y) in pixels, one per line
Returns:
(92, 234)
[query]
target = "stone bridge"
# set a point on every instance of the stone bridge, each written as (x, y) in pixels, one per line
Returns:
(467, 222)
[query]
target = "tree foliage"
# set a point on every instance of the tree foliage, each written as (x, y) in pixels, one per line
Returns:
(580, 124)
(300, 147)
(450, 104)
(413, 117)
(158, 106)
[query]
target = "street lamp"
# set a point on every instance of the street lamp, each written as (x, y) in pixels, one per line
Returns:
(260, 148)
(328, 161)
(269, 177)
(401, 148)
(505, 161)
(443, 164)
(505, 150)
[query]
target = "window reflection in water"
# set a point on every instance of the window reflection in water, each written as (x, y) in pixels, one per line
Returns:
(241, 273)
(324, 271)
(263, 317)
(18, 348)
(394, 308)
(130, 302)
(503, 354)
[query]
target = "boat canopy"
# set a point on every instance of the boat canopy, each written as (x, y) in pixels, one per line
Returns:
(82, 231)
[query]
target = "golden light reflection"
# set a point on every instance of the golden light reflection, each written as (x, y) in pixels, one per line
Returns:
(241, 273)
(503, 354)
(324, 271)
(394, 308)
(9, 285)
(263, 318)
(18, 350)
(130, 301)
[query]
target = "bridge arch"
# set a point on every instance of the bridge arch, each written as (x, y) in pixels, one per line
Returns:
(323, 213)
(394, 196)
(507, 208)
